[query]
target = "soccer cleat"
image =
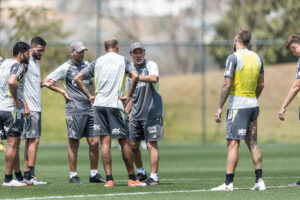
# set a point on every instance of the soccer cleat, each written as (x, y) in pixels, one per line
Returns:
(297, 184)
(260, 185)
(14, 183)
(109, 184)
(141, 177)
(2, 147)
(75, 179)
(223, 187)
(35, 181)
(97, 179)
(25, 181)
(136, 183)
(151, 181)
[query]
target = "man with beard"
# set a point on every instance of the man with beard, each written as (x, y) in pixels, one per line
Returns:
(244, 82)
(79, 113)
(33, 108)
(12, 110)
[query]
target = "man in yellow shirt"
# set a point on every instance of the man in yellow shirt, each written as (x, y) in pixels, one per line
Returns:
(243, 83)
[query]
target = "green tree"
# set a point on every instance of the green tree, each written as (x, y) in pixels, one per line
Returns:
(266, 19)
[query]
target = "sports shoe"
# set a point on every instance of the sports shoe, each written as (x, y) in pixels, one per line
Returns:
(109, 184)
(35, 181)
(14, 183)
(25, 181)
(223, 187)
(97, 179)
(151, 181)
(75, 179)
(2, 147)
(141, 177)
(260, 185)
(136, 183)
(297, 184)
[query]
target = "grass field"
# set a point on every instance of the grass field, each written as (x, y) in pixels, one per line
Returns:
(187, 171)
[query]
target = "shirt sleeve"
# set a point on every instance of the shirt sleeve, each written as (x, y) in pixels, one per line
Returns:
(231, 64)
(59, 73)
(88, 72)
(298, 69)
(129, 66)
(261, 64)
(153, 69)
(18, 70)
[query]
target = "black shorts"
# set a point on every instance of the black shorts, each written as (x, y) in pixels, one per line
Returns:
(237, 122)
(149, 130)
(11, 124)
(111, 121)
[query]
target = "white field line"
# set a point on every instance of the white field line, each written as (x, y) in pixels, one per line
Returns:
(131, 194)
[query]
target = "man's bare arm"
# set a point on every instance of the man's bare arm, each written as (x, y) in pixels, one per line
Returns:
(79, 81)
(134, 80)
(149, 78)
(13, 89)
(225, 91)
(260, 85)
(291, 95)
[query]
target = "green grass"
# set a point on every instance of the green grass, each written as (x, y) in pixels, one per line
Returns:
(188, 168)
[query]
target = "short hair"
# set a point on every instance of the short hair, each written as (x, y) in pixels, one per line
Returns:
(244, 36)
(292, 39)
(20, 47)
(38, 41)
(110, 42)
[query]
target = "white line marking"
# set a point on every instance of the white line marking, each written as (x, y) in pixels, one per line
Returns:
(133, 194)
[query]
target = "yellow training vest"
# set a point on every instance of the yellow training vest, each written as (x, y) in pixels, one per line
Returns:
(245, 79)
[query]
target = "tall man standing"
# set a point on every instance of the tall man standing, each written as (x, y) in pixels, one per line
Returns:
(12, 110)
(79, 113)
(292, 44)
(109, 71)
(33, 108)
(244, 82)
(146, 111)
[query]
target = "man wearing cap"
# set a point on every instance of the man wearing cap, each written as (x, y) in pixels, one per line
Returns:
(109, 71)
(79, 113)
(146, 112)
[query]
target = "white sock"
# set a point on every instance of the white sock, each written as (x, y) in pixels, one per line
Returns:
(154, 176)
(141, 170)
(93, 172)
(73, 174)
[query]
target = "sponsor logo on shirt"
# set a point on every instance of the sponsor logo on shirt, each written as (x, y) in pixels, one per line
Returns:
(242, 131)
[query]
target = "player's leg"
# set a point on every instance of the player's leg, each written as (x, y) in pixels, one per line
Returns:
(251, 141)
(136, 134)
(26, 160)
(72, 156)
(94, 157)
(106, 159)
(154, 160)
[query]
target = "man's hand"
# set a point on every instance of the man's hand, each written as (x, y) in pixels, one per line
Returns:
(18, 104)
(218, 115)
(27, 112)
(92, 100)
(48, 82)
(281, 113)
(125, 99)
(67, 97)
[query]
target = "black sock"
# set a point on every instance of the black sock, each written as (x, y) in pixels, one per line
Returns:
(109, 178)
(19, 176)
(8, 178)
(26, 175)
(132, 177)
(31, 171)
(258, 174)
(229, 178)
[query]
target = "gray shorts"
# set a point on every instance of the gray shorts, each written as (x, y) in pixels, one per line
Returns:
(111, 121)
(79, 126)
(11, 124)
(32, 126)
(149, 130)
(237, 122)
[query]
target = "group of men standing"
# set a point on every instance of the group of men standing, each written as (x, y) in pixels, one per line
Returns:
(90, 111)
